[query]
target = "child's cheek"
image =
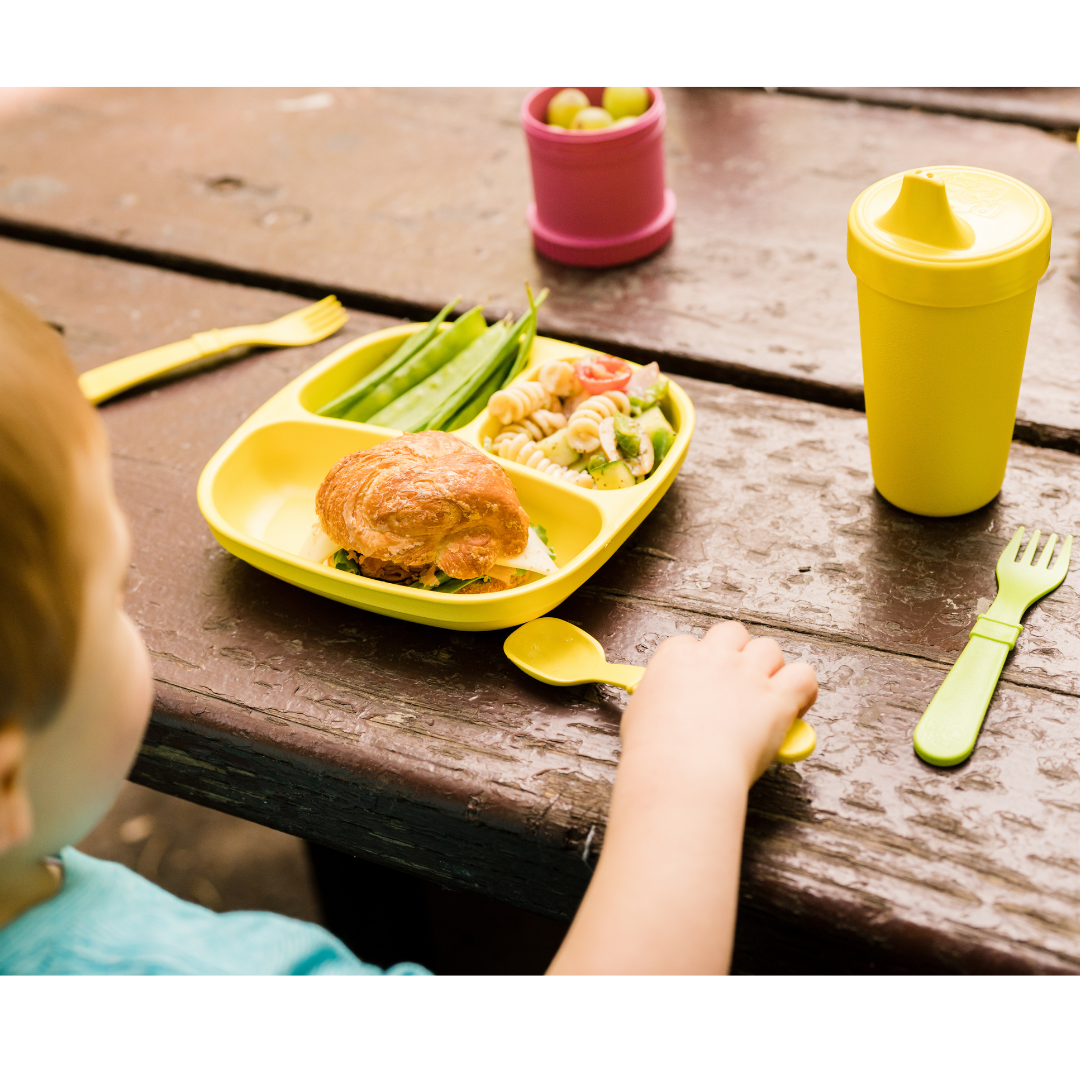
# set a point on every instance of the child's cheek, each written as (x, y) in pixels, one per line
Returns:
(134, 694)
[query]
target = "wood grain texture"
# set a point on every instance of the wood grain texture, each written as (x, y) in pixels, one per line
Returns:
(773, 485)
(424, 749)
(402, 198)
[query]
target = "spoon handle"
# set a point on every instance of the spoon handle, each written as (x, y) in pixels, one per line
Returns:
(798, 743)
(624, 676)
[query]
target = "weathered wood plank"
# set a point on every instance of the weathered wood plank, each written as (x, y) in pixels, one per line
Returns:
(108, 309)
(754, 289)
(773, 485)
(425, 749)
(968, 870)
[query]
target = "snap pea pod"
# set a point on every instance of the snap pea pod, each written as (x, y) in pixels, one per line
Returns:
(470, 386)
(530, 334)
(439, 351)
(408, 348)
(411, 410)
(476, 405)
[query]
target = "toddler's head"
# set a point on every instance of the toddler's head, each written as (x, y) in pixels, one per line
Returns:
(74, 675)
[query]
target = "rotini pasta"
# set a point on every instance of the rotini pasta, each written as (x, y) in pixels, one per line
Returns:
(582, 433)
(516, 402)
(557, 377)
(539, 425)
(513, 443)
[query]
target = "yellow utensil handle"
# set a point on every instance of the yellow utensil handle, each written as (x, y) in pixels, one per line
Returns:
(101, 383)
(798, 743)
(624, 676)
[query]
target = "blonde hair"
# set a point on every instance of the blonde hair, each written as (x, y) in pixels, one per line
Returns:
(45, 427)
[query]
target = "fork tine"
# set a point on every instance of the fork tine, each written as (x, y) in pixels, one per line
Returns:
(323, 310)
(316, 311)
(1013, 546)
(306, 312)
(323, 313)
(1061, 563)
(1029, 551)
(1044, 558)
(328, 322)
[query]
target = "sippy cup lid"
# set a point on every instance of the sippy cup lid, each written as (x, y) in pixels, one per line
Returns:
(949, 236)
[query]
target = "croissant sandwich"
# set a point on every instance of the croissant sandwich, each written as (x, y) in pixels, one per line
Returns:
(429, 511)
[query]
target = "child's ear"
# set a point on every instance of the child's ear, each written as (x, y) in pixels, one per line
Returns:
(16, 822)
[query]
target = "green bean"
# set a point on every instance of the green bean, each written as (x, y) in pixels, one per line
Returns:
(411, 410)
(476, 405)
(473, 388)
(409, 347)
(441, 350)
(530, 334)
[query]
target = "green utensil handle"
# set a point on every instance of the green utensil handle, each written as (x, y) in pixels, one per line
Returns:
(948, 729)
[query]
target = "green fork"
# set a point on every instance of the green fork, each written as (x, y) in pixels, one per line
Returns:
(948, 729)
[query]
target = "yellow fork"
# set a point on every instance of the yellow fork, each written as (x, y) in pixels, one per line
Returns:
(303, 327)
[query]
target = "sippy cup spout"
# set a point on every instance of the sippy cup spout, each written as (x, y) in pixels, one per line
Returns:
(922, 213)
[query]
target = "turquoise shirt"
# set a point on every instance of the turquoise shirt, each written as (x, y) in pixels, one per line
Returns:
(106, 920)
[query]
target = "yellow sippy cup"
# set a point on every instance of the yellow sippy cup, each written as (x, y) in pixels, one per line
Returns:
(947, 259)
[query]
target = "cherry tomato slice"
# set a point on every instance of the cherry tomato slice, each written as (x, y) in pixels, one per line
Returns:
(599, 374)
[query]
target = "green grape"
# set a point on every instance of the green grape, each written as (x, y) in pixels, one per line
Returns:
(591, 118)
(625, 121)
(565, 105)
(623, 101)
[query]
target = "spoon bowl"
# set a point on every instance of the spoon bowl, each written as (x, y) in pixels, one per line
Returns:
(561, 654)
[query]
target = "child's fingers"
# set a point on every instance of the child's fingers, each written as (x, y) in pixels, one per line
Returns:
(671, 649)
(728, 634)
(765, 654)
(800, 681)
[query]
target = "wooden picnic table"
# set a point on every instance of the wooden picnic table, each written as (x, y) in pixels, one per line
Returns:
(424, 749)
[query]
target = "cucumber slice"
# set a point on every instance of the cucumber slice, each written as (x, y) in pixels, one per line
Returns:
(557, 449)
(612, 476)
(627, 436)
(654, 423)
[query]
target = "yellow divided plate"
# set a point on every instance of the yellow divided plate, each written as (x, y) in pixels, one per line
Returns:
(257, 494)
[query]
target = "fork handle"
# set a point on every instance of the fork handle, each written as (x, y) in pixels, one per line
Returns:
(101, 383)
(948, 729)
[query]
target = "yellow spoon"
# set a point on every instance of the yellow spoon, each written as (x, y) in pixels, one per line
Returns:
(560, 654)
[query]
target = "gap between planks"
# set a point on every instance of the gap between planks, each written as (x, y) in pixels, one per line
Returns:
(1058, 120)
(726, 372)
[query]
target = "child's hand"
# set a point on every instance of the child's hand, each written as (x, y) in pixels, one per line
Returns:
(723, 702)
(703, 724)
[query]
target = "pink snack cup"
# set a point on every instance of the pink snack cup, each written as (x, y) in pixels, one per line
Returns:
(600, 198)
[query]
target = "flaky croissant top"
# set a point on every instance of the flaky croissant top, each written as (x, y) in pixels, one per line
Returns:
(421, 499)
